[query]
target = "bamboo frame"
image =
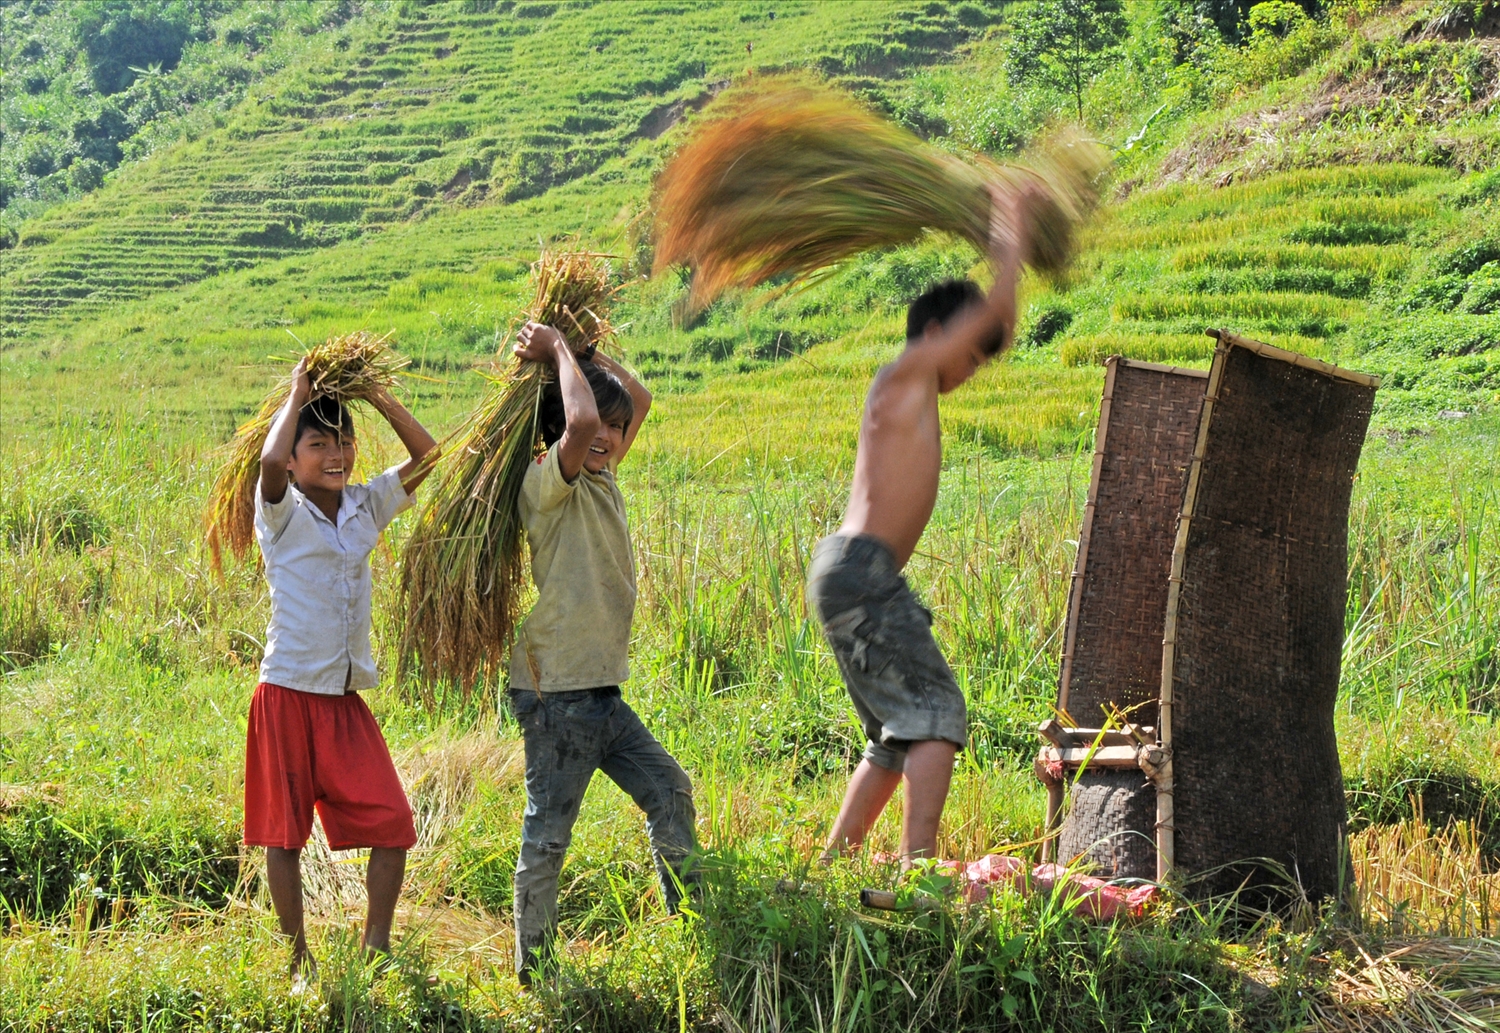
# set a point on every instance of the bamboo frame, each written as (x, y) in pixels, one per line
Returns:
(1166, 813)
(1295, 358)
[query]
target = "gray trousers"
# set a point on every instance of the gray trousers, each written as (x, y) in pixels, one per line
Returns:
(902, 688)
(569, 736)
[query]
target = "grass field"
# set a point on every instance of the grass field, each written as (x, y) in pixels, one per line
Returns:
(128, 903)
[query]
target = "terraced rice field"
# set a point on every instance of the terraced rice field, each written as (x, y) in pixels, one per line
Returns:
(433, 108)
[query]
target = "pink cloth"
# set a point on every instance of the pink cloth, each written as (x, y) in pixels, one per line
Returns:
(1085, 894)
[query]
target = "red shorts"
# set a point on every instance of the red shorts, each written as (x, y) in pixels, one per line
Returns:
(305, 750)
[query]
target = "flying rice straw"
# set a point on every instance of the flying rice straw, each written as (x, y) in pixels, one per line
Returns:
(463, 568)
(352, 368)
(792, 177)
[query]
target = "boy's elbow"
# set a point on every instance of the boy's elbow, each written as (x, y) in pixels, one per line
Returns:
(586, 426)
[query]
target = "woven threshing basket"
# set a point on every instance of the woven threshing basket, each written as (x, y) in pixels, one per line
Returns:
(1255, 623)
(1208, 605)
(1148, 423)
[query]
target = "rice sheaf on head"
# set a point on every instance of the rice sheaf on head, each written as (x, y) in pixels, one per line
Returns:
(463, 566)
(348, 368)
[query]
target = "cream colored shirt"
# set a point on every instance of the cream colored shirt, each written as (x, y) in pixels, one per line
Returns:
(577, 636)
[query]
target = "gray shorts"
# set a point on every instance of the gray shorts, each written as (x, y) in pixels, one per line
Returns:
(902, 688)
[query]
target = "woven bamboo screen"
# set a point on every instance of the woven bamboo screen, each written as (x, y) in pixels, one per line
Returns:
(1148, 423)
(1255, 623)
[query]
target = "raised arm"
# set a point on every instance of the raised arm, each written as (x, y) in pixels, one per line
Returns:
(277, 451)
(985, 330)
(638, 394)
(540, 343)
(419, 443)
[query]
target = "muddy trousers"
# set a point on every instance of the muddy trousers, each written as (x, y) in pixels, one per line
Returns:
(569, 736)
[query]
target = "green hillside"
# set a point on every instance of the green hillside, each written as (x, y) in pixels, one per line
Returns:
(391, 117)
(401, 179)
(1327, 181)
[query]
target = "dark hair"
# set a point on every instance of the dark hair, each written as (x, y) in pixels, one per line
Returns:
(941, 301)
(611, 397)
(325, 413)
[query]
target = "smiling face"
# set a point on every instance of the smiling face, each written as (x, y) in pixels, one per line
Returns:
(321, 460)
(606, 445)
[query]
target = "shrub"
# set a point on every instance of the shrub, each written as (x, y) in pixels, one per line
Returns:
(1483, 294)
(1469, 257)
(1043, 325)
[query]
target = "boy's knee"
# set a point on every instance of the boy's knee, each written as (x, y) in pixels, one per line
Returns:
(672, 823)
(672, 802)
(542, 855)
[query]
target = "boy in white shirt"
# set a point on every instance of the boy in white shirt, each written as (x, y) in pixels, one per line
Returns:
(572, 651)
(311, 742)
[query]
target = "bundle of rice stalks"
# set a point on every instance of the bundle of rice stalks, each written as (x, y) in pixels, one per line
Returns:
(352, 368)
(1436, 985)
(464, 565)
(791, 177)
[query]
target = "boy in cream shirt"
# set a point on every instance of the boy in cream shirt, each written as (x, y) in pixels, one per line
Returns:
(571, 652)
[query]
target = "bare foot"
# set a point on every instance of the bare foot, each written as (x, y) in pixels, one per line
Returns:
(304, 968)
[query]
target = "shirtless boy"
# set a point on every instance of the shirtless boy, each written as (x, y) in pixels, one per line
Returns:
(911, 708)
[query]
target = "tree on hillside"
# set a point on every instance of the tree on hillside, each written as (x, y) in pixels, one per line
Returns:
(1064, 43)
(120, 36)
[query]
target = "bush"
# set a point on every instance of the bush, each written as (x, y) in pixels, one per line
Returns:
(1469, 257)
(86, 174)
(1483, 294)
(46, 850)
(119, 38)
(1043, 325)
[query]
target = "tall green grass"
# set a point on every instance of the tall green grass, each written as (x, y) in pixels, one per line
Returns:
(128, 668)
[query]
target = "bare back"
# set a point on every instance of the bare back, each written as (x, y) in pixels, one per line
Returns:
(900, 440)
(899, 458)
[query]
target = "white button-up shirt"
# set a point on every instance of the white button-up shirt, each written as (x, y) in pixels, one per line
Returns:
(319, 572)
